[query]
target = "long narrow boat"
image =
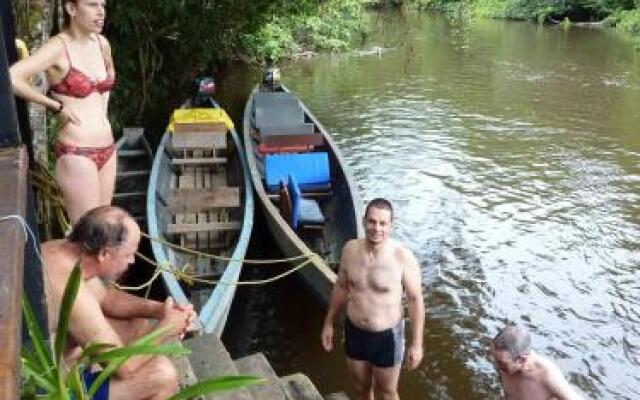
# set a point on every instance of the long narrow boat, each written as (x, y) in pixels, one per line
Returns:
(132, 178)
(302, 182)
(200, 198)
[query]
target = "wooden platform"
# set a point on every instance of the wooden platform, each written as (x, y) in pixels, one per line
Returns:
(13, 181)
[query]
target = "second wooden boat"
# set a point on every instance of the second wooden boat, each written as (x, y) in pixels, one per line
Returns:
(302, 183)
(200, 198)
(132, 177)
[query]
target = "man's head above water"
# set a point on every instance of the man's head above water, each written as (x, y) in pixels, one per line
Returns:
(510, 349)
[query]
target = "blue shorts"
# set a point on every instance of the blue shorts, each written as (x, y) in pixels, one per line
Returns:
(103, 391)
(382, 349)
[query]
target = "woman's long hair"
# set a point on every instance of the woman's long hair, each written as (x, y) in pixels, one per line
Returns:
(66, 18)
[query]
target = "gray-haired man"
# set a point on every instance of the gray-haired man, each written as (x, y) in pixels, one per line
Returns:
(526, 375)
(104, 241)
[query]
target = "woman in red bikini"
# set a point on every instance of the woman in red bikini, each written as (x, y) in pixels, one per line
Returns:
(80, 69)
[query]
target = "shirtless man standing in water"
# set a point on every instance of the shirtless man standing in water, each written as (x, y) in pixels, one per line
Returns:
(526, 375)
(374, 273)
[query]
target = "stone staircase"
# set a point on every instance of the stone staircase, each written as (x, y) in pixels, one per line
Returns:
(209, 358)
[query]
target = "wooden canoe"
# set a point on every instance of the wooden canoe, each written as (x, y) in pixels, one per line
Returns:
(200, 197)
(340, 205)
(132, 177)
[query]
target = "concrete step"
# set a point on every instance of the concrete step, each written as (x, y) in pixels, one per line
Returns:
(209, 359)
(337, 396)
(186, 376)
(299, 387)
(258, 365)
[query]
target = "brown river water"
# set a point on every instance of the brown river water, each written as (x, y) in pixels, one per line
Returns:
(512, 154)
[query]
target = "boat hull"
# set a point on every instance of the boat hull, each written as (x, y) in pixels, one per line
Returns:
(342, 210)
(214, 310)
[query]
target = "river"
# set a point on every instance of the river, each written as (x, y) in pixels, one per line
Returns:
(511, 152)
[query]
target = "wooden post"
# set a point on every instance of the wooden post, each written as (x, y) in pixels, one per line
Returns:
(15, 201)
(13, 180)
(9, 134)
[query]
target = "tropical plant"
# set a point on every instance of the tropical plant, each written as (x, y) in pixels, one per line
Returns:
(45, 375)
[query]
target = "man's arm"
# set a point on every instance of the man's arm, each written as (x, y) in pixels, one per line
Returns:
(120, 304)
(88, 324)
(558, 385)
(412, 284)
(336, 302)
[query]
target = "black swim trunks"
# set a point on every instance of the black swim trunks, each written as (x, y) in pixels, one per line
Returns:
(382, 349)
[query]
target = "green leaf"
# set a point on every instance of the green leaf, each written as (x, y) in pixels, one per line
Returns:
(104, 375)
(170, 350)
(69, 297)
(114, 364)
(40, 345)
(75, 383)
(217, 385)
(153, 335)
(28, 371)
(94, 349)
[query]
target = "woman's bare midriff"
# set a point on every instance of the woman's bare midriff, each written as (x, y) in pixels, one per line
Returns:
(93, 130)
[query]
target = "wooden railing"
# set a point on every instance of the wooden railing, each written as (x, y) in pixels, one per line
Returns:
(13, 201)
(13, 193)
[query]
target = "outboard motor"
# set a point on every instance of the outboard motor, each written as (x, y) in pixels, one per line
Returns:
(271, 79)
(203, 90)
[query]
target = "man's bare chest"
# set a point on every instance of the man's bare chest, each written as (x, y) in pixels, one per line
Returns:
(524, 388)
(376, 277)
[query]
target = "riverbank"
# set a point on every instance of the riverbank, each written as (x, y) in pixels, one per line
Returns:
(620, 14)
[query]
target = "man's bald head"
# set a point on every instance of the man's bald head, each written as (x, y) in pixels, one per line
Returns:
(103, 227)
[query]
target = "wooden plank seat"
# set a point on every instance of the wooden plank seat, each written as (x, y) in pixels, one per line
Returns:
(280, 124)
(192, 199)
(199, 136)
(264, 148)
(292, 128)
(295, 139)
(184, 228)
(195, 161)
(276, 108)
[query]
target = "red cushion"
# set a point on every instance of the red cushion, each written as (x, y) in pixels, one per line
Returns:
(264, 148)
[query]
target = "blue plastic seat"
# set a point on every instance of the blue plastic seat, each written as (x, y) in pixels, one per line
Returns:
(303, 211)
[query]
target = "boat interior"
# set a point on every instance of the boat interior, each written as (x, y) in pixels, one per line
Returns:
(200, 200)
(300, 173)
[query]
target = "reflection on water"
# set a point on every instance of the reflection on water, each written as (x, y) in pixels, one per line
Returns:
(512, 154)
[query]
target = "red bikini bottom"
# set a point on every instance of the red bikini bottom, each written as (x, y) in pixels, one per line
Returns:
(99, 155)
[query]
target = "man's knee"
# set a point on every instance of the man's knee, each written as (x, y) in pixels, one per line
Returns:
(385, 390)
(362, 386)
(164, 374)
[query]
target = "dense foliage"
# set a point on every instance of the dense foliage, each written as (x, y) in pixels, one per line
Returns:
(158, 46)
(541, 10)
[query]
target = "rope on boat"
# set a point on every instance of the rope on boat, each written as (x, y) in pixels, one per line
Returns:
(42, 179)
(190, 279)
(223, 258)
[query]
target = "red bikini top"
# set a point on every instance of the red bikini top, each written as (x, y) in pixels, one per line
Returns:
(78, 84)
